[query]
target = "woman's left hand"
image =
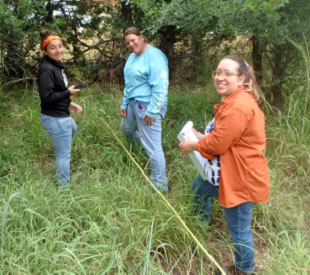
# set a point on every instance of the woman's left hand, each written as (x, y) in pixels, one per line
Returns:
(76, 108)
(188, 146)
(148, 120)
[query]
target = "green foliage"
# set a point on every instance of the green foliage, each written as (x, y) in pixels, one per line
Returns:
(265, 23)
(229, 18)
(294, 119)
(81, 26)
(19, 28)
(282, 57)
(191, 33)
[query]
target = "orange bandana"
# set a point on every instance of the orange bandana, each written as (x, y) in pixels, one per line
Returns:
(49, 40)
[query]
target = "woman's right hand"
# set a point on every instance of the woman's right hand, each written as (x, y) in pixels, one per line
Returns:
(72, 90)
(198, 134)
(188, 146)
(123, 112)
(75, 107)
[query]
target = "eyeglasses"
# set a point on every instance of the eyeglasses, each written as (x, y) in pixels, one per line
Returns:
(224, 74)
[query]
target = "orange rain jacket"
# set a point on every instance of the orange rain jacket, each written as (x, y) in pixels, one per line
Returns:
(239, 138)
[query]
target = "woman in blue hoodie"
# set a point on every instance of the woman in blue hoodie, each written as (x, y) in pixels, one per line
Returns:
(145, 100)
(56, 102)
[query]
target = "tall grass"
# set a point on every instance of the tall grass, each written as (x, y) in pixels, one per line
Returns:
(286, 215)
(110, 222)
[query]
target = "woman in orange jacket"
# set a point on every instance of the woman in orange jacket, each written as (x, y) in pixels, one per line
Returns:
(238, 138)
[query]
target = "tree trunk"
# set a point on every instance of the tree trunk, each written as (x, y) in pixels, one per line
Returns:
(126, 12)
(257, 59)
(167, 39)
(278, 69)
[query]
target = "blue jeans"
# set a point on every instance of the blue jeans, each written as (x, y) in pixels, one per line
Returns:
(61, 131)
(203, 193)
(134, 128)
(238, 221)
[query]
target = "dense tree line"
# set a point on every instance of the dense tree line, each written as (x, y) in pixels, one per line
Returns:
(190, 32)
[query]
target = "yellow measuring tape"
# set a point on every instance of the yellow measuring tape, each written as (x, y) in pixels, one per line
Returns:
(165, 200)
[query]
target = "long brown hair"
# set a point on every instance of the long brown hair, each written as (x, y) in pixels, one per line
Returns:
(250, 83)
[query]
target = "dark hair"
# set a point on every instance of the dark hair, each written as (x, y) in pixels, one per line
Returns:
(44, 34)
(250, 80)
(132, 30)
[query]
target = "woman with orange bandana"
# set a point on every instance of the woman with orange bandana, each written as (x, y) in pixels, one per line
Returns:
(56, 102)
(238, 138)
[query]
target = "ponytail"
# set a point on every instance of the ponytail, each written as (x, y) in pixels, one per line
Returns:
(250, 83)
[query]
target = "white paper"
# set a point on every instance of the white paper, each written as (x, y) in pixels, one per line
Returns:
(199, 161)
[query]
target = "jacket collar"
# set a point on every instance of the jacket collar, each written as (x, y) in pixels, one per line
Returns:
(55, 63)
(228, 98)
(233, 94)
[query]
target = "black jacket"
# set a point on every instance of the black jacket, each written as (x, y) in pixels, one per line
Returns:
(53, 89)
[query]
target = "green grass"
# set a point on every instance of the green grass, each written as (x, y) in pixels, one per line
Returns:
(110, 222)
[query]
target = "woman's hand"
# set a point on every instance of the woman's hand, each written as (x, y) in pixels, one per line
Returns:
(198, 134)
(148, 120)
(76, 107)
(72, 90)
(188, 146)
(123, 112)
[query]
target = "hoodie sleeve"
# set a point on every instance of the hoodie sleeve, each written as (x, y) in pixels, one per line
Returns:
(125, 100)
(159, 81)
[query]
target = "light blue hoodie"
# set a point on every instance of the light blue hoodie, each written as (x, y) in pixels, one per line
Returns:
(147, 79)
